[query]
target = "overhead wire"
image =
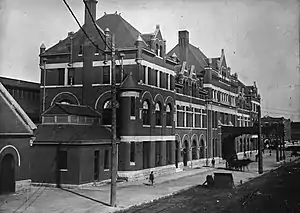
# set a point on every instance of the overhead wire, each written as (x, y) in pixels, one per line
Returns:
(97, 29)
(74, 16)
(96, 26)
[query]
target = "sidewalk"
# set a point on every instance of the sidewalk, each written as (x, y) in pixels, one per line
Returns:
(96, 199)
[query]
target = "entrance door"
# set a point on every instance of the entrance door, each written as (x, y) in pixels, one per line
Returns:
(7, 174)
(185, 153)
(96, 165)
(185, 160)
(176, 153)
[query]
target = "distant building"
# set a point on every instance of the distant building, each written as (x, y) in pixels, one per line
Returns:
(16, 135)
(295, 131)
(268, 121)
(27, 94)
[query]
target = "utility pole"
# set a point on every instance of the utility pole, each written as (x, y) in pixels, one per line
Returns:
(260, 159)
(44, 83)
(113, 172)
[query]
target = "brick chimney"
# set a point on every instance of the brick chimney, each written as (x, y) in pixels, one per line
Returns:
(92, 5)
(88, 54)
(183, 41)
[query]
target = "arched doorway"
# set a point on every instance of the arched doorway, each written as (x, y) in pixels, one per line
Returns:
(185, 152)
(177, 147)
(201, 150)
(7, 174)
(194, 150)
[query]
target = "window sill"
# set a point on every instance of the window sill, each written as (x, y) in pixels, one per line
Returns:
(63, 170)
(132, 163)
(79, 54)
(106, 170)
(132, 117)
(146, 126)
(169, 127)
(158, 126)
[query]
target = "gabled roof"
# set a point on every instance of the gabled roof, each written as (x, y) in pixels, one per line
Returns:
(19, 83)
(195, 57)
(71, 109)
(125, 34)
(16, 120)
(72, 134)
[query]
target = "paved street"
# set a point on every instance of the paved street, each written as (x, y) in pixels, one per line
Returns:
(96, 199)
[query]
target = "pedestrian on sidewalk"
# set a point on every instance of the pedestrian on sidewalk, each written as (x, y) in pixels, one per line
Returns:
(213, 162)
(151, 178)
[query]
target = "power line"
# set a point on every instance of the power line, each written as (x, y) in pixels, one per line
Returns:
(96, 26)
(88, 9)
(67, 5)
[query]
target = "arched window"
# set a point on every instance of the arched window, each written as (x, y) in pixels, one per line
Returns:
(161, 51)
(168, 115)
(65, 101)
(146, 113)
(157, 114)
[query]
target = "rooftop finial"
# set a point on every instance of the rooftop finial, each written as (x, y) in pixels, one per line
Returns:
(42, 46)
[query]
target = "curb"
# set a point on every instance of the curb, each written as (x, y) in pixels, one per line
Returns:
(155, 199)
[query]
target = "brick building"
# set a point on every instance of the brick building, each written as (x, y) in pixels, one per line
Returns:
(16, 133)
(169, 105)
(27, 94)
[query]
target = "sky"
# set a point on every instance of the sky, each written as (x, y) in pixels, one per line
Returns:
(260, 37)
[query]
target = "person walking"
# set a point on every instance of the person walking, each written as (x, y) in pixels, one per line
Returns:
(151, 178)
(213, 162)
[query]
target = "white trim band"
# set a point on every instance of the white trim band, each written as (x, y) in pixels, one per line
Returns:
(220, 89)
(183, 103)
(147, 138)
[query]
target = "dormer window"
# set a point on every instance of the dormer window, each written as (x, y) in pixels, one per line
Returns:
(161, 51)
(157, 49)
(80, 53)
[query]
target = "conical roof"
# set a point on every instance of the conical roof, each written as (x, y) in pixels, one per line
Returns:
(129, 84)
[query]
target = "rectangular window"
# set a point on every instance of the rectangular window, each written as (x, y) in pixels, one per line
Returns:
(106, 74)
(132, 109)
(161, 79)
(167, 81)
(198, 120)
(144, 75)
(106, 159)
(132, 152)
(118, 74)
(180, 119)
(172, 82)
(71, 76)
(63, 160)
(61, 76)
(155, 79)
(150, 80)
(204, 121)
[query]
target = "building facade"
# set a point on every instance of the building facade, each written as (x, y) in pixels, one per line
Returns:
(170, 105)
(16, 133)
(27, 94)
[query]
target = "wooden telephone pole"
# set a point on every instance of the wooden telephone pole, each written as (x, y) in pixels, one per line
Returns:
(113, 172)
(260, 159)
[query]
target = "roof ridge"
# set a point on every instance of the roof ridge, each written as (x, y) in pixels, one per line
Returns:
(18, 109)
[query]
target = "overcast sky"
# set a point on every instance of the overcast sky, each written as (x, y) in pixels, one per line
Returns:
(260, 37)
